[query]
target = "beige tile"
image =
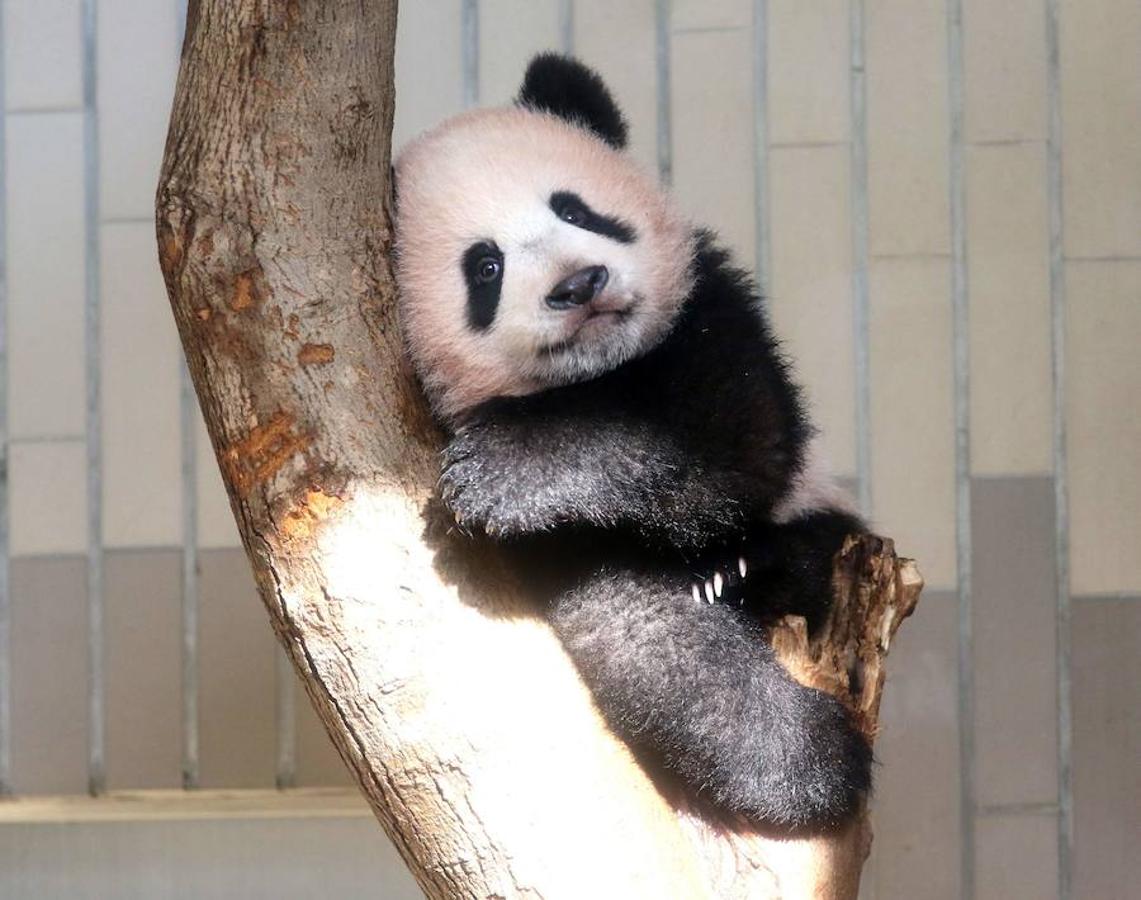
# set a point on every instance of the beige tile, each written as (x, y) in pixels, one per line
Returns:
(712, 136)
(49, 498)
(811, 285)
(915, 810)
(1016, 858)
(685, 14)
(510, 33)
(236, 692)
(140, 361)
(318, 764)
(138, 62)
(216, 527)
(1103, 380)
(1004, 61)
(1107, 745)
(618, 40)
(428, 89)
(809, 84)
(49, 676)
(1015, 670)
(1008, 274)
(144, 657)
(907, 126)
(45, 259)
(1101, 130)
(913, 462)
(42, 54)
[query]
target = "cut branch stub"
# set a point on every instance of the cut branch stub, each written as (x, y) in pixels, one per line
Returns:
(875, 590)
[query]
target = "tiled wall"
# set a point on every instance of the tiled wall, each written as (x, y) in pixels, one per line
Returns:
(905, 167)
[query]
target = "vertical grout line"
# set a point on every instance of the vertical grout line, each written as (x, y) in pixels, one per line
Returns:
(286, 715)
(662, 69)
(861, 300)
(469, 37)
(5, 581)
(566, 26)
(1060, 458)
(961, 338)
(763, 248)
(96, 761)
(189, 472)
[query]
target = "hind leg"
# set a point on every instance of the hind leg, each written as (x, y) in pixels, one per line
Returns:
(697, 686)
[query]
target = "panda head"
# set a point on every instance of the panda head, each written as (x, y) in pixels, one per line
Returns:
(532, 250)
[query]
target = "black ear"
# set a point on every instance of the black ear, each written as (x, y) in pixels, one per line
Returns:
(565, 87)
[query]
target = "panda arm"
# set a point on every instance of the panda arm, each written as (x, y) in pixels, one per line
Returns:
(583, 456)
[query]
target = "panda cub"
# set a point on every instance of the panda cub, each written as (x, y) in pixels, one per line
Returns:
(622, 421)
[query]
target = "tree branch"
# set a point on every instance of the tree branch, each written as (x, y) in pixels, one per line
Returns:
(462, 719)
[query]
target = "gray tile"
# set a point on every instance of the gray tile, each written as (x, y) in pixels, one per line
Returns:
(1107, 745)
(915, 810)
(286, 859)
(49, 675)
(236, 676)
(144, 698)
(1012, 527)
(1016, 857)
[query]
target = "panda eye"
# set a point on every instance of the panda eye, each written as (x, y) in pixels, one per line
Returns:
(573, 214)
(487, 270)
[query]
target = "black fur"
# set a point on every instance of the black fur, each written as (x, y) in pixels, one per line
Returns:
(572, 208)
(482, 292)
(619, 492)
(565, 87)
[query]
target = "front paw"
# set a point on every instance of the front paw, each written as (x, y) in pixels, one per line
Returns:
(721, 579)
(485, 495)
(462, 487)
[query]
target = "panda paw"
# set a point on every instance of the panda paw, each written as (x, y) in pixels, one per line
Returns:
(480, 497)
(725, 581)
(816, 767)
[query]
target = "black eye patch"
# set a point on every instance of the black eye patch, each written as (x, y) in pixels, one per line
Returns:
(483, 273)
(571, 208)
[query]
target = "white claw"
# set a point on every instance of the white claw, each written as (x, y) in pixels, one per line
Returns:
(696, 594)
(742, 566)
(709, 591)
(718, 583)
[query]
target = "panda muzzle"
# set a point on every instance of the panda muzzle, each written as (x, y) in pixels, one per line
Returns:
(578, 289)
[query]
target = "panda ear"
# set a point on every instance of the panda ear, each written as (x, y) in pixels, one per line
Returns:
(565, 87)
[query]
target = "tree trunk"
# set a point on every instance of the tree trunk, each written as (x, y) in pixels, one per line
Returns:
(460, 716)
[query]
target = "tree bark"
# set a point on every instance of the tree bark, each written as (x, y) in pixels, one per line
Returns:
(463, 721)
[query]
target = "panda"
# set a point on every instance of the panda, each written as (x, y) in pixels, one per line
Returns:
(622, 422)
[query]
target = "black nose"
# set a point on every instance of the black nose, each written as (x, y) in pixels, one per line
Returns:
(579, 288)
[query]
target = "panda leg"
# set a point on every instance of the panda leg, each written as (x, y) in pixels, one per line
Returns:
(697, 686)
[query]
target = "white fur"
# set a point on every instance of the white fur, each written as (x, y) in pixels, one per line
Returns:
(813, 488)
(488, 175)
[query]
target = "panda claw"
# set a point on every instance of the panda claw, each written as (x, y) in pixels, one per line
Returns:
(696, 594)
(718, 583)
(742, 566)
(709, 591)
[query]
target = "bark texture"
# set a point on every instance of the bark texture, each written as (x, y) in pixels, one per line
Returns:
(463, 721)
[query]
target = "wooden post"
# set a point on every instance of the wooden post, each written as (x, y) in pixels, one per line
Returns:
(460, 716)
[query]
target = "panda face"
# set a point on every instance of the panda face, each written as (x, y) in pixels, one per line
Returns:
(530, 254)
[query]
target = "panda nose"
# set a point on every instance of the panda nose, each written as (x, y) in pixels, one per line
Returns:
(579, 288)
